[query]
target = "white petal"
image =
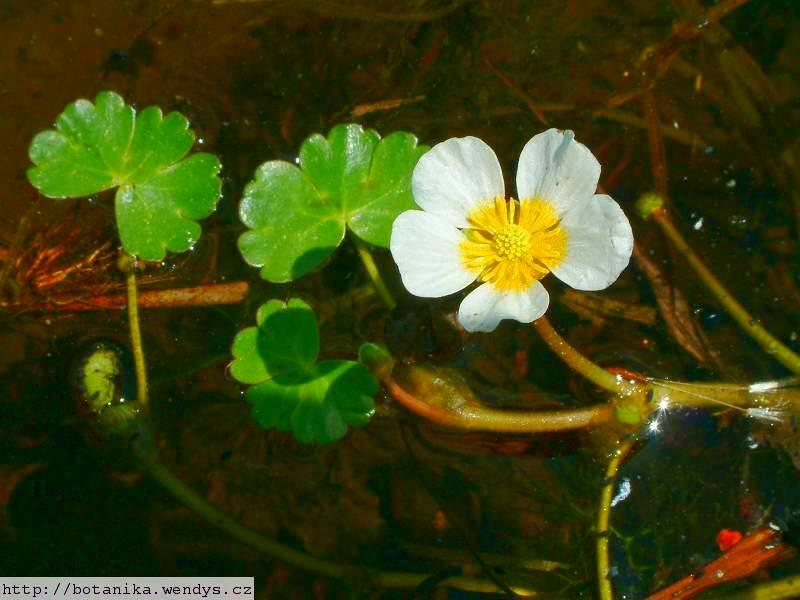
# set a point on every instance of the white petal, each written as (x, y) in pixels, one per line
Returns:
(425, 248)
(599, 244)
(555, 167)
(455, 176)
(485, 306)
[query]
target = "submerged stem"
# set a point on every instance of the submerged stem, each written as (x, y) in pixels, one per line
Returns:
(374, 274)
(142, 393)
(765, 339)
(363, 575)
(604, 517)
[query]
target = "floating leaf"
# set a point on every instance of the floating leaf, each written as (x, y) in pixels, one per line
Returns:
(351, 179)
(160, 194)
(316, 401)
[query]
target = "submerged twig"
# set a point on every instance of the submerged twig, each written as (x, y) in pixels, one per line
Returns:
(759, 550)
(658, 153)
(365, 12)
(685, 31)
(655, 61)
(682, 136)
(676, 312)
(371, 107)
(202, 295)
(519, 92)
(598, 308)
(749, 88)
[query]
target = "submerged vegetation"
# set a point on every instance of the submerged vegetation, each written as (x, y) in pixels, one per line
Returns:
(394, 442)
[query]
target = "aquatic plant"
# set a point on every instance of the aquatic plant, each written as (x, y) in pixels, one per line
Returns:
(103, 382)
(161, 192)
(290, 390)
(298, 215)
(469, 231)
(351, 180)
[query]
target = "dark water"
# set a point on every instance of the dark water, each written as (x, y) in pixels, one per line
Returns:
(255, 78)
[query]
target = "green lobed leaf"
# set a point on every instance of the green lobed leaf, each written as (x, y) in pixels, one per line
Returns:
(298, 216)
(317, 402)
(319, 407)
(290, 342)
(160, 195)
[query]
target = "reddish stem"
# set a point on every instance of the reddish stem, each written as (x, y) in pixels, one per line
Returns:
(658, 155)
(688, 29)
(518, 91)
(474, 418)
(203, 295)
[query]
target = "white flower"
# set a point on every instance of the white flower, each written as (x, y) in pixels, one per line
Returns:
(468, 230)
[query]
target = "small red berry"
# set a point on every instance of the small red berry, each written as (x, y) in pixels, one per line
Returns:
(727, 539)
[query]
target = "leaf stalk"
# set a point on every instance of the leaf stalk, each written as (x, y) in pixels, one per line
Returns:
(365, 254)
(576, 361)
(362, 576)
(142, 393)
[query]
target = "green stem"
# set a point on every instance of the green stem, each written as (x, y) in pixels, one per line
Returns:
(194, 501)
(481, 418)
(767, 400)
(450, 408)
(773, 398)
(142, 393)
(578, 362)
(374, 274)
(768, 342)
(788, 587)
(364, 576)
(604, 517)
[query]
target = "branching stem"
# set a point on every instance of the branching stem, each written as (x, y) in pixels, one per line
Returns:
(578, 362)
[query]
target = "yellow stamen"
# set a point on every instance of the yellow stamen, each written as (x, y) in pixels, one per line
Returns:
(511, 244)
(512, 241)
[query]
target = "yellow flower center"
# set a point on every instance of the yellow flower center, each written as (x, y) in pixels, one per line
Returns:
(512, 241)
(511, 244)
